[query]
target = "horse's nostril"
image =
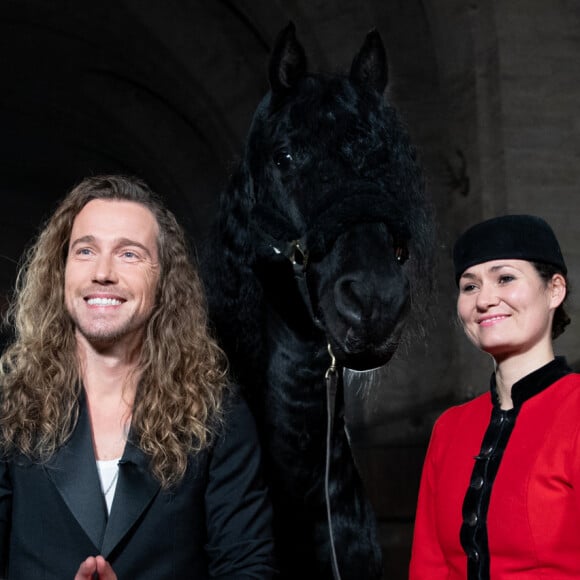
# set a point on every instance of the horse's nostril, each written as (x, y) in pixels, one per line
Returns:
(363, 303)
(351, 300)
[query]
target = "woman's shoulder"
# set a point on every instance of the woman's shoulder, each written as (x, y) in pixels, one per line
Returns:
(474, 405)
(572, 379)
(465, 413)
(567, 388)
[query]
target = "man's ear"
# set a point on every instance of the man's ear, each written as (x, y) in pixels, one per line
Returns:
(557, 290)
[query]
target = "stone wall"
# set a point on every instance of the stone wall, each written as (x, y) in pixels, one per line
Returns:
(489, 91)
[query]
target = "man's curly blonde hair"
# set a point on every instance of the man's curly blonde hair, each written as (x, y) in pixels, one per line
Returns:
(183, 372)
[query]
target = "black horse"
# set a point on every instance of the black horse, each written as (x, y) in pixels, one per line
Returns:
(323, 244)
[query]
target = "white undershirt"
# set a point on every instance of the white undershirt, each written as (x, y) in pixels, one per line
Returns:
(108, 474)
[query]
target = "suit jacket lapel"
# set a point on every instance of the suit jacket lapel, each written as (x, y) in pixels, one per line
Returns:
(73, 471)
(136, 489)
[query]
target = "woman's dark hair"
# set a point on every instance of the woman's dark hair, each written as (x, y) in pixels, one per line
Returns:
(561, 318)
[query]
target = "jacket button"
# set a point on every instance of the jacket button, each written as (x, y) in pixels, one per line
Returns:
(471, 519)
(477, 482)
(474, 555)
(487, 451)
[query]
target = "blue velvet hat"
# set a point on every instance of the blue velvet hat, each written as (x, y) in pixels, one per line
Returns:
(516, 237)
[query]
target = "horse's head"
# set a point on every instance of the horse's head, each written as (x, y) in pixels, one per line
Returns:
(333, 191)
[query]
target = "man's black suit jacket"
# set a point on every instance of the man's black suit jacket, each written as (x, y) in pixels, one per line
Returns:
(216, 523)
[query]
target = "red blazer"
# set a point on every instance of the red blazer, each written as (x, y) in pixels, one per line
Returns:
(533, 521)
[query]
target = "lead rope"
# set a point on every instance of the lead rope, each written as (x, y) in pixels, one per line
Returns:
(331, 378)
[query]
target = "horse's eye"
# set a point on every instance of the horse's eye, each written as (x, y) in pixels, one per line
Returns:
(283, 159)
(401, 253)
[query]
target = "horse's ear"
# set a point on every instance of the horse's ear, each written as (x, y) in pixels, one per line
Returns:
(288, 60)
(369, 67)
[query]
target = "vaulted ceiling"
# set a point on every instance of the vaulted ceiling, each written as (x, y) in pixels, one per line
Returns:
(164, 90)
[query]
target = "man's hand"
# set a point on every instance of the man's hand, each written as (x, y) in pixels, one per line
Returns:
(95, 565)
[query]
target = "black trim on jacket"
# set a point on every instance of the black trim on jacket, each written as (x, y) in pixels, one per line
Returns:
(473, 533)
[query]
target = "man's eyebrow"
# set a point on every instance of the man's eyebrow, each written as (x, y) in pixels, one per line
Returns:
(120, 242)
(82, 240)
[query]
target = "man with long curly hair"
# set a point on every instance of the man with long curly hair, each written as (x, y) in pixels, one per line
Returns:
(125, 453)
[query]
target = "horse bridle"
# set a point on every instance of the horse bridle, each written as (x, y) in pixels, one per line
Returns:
(297, 253)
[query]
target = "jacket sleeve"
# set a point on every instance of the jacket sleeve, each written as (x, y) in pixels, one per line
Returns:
(239, 514)
(5, 515)
(427, 559)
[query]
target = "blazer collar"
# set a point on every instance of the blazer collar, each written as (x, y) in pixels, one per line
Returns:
(73, 471)
(136, 489)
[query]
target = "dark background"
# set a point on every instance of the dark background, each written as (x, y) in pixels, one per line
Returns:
(166, 90)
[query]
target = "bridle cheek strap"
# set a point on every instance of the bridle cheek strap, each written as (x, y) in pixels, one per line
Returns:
(298, 255)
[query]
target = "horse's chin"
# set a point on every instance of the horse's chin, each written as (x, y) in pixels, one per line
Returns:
(364, 371)
(362, 362)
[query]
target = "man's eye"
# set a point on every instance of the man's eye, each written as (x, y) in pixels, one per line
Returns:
(130, 255)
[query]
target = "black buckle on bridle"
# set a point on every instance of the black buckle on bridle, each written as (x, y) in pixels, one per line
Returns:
(296, 252)
(298, 255)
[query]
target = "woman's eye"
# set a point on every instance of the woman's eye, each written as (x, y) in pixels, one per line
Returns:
(506, 278)
(468, 288)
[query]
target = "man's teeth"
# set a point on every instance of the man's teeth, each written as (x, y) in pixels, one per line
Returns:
(103, 302)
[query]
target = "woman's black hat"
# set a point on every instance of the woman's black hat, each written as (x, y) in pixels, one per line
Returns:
(516, 237)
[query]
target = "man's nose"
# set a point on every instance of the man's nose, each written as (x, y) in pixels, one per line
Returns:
(104, 271)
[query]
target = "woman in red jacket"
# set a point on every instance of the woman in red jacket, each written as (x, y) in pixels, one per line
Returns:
(500, 490)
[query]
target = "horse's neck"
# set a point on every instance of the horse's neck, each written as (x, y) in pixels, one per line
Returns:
(267, 333)
(293, 422)
(298, 348)
(274, 330)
